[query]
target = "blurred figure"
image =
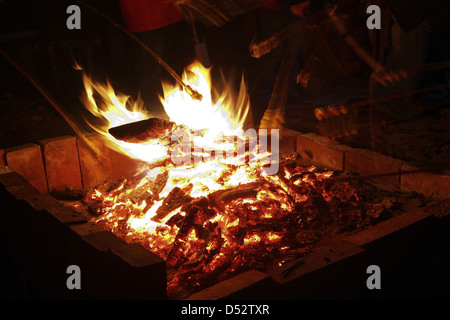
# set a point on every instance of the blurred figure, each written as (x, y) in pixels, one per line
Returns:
(261, 73)
(411, 30)
(160, 25)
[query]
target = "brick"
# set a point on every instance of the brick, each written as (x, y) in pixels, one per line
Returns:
(103, 240)
(27, 161)
(136, 255)
(42, 201)
(321, 258)
(62, 165)
(123, 166)
(66, 215)
(321, 151)
(230, 286)
(97, 236)
(375, 166)
(2, 158)
(427, 183)
(390, 226)
(96, 166)
(86, 228)
(9, 178)
(146, 272)
(23, 191)
(102, 257)
(288, 144)
(288, 140)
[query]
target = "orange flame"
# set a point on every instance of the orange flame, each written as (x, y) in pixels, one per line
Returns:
(138, 217)
(215, 118)
(218, 117)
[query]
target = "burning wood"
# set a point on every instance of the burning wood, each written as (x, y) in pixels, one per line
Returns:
(142, 131)
(206, 238)
(223, 212)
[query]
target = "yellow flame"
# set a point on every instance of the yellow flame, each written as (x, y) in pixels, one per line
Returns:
(218, 117)
(111, 109)
(110, 106)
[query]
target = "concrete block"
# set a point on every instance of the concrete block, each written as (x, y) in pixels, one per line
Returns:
(86, 228)
(66, 215)
(62, 165)
(375, 166)
(103, 240)
(427, 183)
(95, 160)
(288, 141)
(136, 255)
(231, 286)
(325, 255)
(321, 151)
(388, 227)
(43, 201)
(23, 191)
(9, 178)
(105, 259)
(27, 161)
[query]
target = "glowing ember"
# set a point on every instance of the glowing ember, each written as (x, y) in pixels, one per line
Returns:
(219, 213)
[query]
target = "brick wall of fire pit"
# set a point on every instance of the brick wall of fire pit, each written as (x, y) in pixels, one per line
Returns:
(67, 163)
(45, 237)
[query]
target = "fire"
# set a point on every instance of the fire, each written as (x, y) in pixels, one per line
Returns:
(114, 108)
(204, 216)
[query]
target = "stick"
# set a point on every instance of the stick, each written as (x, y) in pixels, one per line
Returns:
(193, 93)
(359, 51)
(367, 58)
(257, 50)
(322, 110)
(435, 66)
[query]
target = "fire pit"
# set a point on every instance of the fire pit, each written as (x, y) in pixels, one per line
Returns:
(262, 224)
(181, 208)
(203, 254)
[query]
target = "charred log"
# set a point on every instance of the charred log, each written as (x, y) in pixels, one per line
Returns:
(175, 199)
(220, 197)
(141, 131)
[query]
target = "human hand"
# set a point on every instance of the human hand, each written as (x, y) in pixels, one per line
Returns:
(389, 77)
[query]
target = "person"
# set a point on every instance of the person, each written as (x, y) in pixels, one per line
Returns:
(411, 32)
(261, 73)
(160, 25)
